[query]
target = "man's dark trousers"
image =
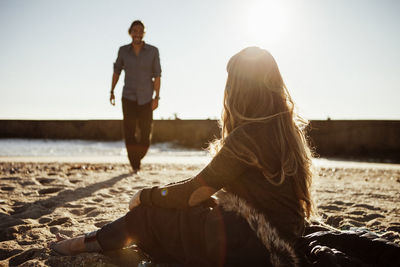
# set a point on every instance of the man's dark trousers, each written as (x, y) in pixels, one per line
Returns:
(137, 144)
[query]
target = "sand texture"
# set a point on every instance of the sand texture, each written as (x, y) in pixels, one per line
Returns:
(38, 200)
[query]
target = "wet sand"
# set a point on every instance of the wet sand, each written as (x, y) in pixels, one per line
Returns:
(39, 199)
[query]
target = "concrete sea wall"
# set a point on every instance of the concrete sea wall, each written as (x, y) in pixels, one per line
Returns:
(191, 133)
(374, 139)
(334, 138)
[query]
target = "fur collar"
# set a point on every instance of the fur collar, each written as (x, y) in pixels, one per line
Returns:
(281, 252)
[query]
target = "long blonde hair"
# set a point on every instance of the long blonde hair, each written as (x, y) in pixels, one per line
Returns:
(255, 93)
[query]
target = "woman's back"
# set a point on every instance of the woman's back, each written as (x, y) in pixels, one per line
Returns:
(278, 202)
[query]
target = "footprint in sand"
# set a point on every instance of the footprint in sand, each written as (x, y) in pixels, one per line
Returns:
(50, 190)
(394, 228)
(118, 190)
(369, 217)
(25, 256)
(330, 207)
(57, 230)
(7, 253)
(23, 228)
(68, 233)
(69, 205)
(76, 211)
(378, 196)
(390, 235)
(334, 220)
(366, 206)
(97, 200)
(124, 189)
(104, 195)
(44, 220)
(60, 221)
(27, 183)
(353, 223)
(26, 242)
(45, 181)
(373, 223)
(7, 188)
(8, 233)
(54, 230)
(32, 212)
(11, 178)
(88, 209)
(114, 191)
(357, 212)
(19, 208)
(33, 193)
(101, 224)
(12, 232)
(94, 213)
(341, 203)
(48, 203)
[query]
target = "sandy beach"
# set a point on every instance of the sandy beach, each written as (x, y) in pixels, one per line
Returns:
(42, 197)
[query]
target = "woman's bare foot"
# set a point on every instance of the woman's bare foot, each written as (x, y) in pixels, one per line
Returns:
(68, 246)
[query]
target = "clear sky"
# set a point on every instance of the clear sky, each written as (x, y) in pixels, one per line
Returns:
(339, 58)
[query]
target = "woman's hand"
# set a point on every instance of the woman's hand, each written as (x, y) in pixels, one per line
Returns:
(135, 200)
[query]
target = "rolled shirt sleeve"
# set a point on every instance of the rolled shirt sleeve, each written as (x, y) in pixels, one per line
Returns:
(156, 64)
(118, 64)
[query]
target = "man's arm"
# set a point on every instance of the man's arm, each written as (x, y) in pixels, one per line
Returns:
(157, 79)
(114, 82)
(156, 87)
(118, 66)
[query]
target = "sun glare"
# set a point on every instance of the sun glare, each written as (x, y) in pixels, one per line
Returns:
(265, 21)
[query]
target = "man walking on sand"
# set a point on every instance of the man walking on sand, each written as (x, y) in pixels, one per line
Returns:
(141, 63)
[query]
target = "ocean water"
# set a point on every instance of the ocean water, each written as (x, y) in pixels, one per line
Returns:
(48, 148)
(114, 151)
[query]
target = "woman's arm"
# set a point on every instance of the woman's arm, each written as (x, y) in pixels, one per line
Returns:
(179, 195)
(221, 171)
(184, 194)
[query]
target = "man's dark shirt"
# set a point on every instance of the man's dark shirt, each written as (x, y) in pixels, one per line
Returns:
(139, 71)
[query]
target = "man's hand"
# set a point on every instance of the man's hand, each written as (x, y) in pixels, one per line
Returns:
(135, 200)
(112, 98)
(154, 104)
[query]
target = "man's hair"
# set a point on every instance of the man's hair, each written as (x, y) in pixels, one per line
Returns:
(136, 22)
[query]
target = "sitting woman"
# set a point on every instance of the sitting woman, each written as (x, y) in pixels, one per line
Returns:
(248, 205)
